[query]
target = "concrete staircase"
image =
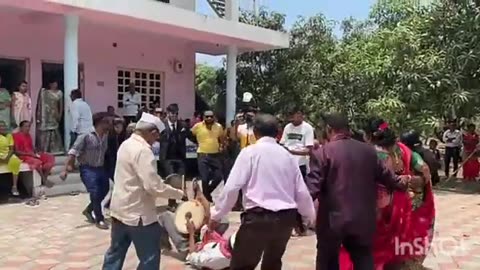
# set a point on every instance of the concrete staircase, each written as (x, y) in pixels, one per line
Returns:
(73, 183)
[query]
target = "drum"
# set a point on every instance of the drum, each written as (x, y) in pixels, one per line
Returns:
(191, 210)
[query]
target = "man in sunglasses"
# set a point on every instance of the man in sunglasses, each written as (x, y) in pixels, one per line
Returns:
(210, 138)
(173, 147)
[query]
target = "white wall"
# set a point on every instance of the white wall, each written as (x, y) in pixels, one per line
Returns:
(185, 4)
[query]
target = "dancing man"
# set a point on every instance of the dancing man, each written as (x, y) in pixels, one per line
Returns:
(343, 177)
(133, 209)
(210, 138)
(273, 191)
(89, 149)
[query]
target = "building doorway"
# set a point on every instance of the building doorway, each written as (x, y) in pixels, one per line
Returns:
(12, 71)
(54, 72)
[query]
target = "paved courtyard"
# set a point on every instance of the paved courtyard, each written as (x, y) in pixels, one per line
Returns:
(55, 236)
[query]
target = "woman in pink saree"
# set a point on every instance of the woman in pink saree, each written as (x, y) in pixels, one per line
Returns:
(405, 220)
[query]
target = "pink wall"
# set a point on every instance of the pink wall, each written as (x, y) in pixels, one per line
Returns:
(40, 37)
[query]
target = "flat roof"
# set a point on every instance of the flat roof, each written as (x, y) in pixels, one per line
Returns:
(209, 35)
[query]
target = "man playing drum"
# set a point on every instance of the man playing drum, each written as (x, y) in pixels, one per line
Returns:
(189, 234)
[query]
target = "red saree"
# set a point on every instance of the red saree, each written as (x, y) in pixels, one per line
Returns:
(403, 234)
(471, 167)
(42, 162)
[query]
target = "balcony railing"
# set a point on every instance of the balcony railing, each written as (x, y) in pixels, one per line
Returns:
(218, 7)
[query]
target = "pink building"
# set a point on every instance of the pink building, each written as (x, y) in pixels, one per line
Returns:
(101, 45)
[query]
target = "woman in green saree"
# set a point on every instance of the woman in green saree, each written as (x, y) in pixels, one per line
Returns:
(48, 115)
(5, 106)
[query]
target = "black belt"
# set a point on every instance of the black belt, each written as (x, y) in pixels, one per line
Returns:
(260, 210)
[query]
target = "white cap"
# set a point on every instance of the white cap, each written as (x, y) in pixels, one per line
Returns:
(152, 119)
(247, 97)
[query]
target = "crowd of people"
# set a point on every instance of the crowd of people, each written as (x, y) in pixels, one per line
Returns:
(362, 192)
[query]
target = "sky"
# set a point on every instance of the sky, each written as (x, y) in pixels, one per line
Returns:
(333, 9)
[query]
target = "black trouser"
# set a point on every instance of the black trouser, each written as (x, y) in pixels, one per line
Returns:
(328, 250)
(173, 166)
(300, 226)
(211, 172)
(435, 177)
(269, 231)
(451, 153)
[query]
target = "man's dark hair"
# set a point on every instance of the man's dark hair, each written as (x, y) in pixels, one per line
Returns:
(99, 117)
(295, 110)
(76, 94)
(173, 108)
(337, 121)
(23, 123)
(265, 125)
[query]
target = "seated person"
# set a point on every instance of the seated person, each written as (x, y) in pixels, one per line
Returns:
(202, 255)
(41, 162)
(212, 252)
(7, 157)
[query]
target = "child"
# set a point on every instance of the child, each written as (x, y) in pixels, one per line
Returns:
(434, 172)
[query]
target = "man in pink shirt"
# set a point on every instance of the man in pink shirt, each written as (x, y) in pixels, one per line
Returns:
(273, 190)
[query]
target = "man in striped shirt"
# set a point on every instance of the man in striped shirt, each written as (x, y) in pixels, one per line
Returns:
(89, 150)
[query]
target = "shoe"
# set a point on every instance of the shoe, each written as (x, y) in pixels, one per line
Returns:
(89, 216)
(15, 191)
(102, 225)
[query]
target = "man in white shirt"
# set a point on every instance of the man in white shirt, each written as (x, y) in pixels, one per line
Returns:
(131, 103)
(298, 137)
(137, 186)
(453, 143)
(82, 122)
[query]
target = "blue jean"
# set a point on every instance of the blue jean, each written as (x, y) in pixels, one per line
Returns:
(96, 181)
(146, 240)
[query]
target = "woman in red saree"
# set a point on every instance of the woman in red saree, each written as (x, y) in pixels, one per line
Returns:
(471, 167)
(405, 219)
(40, 162)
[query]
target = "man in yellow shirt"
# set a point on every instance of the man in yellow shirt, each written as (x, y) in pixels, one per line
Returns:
(244, 131)
(210, 138)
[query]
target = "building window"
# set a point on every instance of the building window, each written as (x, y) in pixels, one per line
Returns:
(148, 83)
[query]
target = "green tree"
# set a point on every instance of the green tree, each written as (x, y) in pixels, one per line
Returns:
(206, 83)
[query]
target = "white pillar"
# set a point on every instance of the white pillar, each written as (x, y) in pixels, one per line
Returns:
(232, 10)
(231, 13)
(231, 98)
(70, 69)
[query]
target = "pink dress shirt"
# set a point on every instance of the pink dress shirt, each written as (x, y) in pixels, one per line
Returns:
(270, 178)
